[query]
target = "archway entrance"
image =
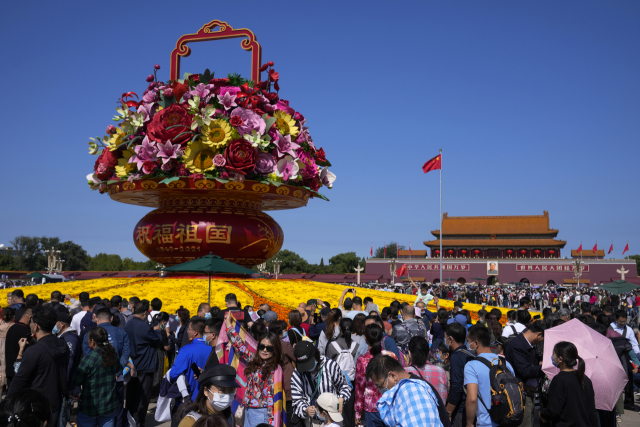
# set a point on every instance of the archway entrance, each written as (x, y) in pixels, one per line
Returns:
(525, 280)
(436, 281)
(551, 282)
(462, 280)
(491, 280)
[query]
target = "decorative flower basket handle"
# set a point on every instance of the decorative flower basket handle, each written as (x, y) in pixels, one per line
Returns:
(216, 30)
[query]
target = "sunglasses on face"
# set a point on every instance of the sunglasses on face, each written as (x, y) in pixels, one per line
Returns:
(268, 348)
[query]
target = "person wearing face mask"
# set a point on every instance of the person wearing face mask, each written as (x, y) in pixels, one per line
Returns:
(216, 393)
(44, 365)
(204, 312)
(313, 376)
(459, 355)
(197, 351)
(407, 400)
(263, 371)
(521, 354)
(211, 333)
(477, 378)
(571, 396)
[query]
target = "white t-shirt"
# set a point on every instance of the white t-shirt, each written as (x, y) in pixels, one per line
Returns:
(75, 322)
(508, 331)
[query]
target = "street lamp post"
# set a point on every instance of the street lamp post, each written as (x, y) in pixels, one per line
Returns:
(276, 267)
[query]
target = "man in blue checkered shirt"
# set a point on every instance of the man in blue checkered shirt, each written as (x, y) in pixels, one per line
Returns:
(407, 400)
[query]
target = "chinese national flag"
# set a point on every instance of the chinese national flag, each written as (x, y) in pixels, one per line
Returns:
(626, 248)
(371, 250)
(610, 249)
(433, 164)
(595, 248)
(384, 248)
(402, 271)
(579, 249)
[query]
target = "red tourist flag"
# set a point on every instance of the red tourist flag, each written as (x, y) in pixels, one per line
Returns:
(595, 248)
(611, 248)
(579, 249)
(433, 164)
(626, 248)
(402, 271)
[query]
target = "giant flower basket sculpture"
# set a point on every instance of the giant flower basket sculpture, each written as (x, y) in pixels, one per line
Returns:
(211, 155)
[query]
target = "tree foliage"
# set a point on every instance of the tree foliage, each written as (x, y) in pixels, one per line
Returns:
(392, 250)
(292, 263)
(637, 259)
(32, 256)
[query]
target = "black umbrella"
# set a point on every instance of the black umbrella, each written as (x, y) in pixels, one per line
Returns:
(210, 264)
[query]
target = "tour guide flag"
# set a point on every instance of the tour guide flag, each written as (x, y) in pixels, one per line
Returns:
(433, 164)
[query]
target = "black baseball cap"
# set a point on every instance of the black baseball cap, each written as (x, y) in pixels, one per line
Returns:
(457, 304)
(305, 354)
(64, 317)
(219, 375)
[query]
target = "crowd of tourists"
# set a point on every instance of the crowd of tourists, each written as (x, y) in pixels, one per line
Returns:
(100, 362)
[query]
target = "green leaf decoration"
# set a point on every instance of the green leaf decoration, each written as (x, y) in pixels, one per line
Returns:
(276, 183)
(169, 180)
(222, 180)
(327, 163)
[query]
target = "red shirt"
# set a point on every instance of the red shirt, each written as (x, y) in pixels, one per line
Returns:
(637, 300)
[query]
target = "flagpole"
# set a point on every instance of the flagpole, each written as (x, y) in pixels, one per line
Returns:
(441, 217)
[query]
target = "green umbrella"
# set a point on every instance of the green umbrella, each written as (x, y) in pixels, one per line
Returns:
(210, 264)
(34, 275)
(619, 287)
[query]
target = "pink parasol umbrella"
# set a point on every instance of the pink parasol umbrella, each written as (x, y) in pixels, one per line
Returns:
(602, 365)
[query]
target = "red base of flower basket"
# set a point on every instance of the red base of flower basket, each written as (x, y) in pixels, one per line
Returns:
(196, 217)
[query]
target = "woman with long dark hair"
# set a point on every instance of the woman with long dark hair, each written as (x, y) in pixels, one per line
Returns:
(162, 319)
(263, 371)
(571, 396)
(332, 332)
(97, 375)
(437, 327)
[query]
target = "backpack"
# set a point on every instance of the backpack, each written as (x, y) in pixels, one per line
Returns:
(507, 394)
(421, 329)
(345, 360)
(442, 411)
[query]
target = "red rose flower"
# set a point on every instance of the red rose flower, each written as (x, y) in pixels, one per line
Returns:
(272, 97)
(106, 164)
(240, 156)
(149, 167)
(274, 76)
(320, 156)
(175, 114)
(312, 183)
(195, 77)
(236, 121)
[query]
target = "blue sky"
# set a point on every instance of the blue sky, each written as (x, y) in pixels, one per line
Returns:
(535, 105)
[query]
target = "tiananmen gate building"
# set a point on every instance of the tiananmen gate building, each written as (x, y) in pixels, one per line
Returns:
(505, 249)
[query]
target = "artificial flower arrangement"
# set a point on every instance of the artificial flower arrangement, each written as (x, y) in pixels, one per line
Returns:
(226, 129)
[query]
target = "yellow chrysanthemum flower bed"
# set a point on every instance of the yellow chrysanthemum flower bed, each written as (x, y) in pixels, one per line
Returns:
(290, 293)
(70, 288)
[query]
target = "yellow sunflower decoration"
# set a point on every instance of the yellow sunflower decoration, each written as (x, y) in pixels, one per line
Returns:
(217, 134)
(116, 139)
(285, 123)
(198, 157)
(124, 167)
